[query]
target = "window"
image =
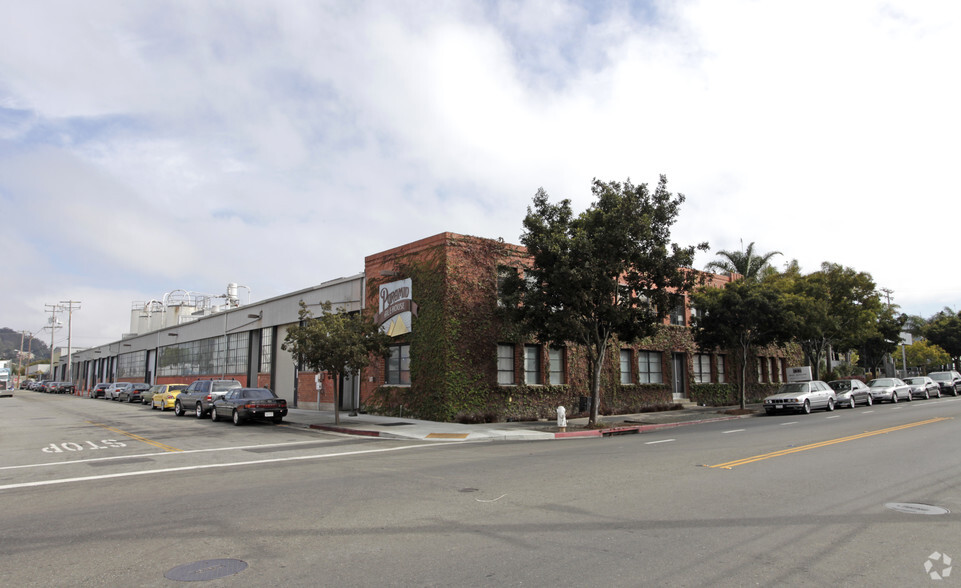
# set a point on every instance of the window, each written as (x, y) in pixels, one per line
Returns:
(398, 365)
(555, 356)
(760, 369)
(626, 367)
(721, 378)
(532, 365)
(238, 346)
(132, 365)
(503, 274)
(702, 368)
(266, 348)
(774, 374)
(649, 367)
(678, 316)
(505, 365)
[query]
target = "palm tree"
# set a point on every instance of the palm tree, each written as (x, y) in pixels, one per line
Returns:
(747, 263)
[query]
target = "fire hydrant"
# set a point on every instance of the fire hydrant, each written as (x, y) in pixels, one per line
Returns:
(561, 419)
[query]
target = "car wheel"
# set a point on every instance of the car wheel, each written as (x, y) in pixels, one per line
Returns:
(236, 418)
(200, 411)
(853, 403)
(213, 414)
(910, 396)
(807, 407)
(870, 400)
(161, 407)
(894, 397)
(927, 394)
(830, 404)
(939, 392)
(955, 391)
(178, 409)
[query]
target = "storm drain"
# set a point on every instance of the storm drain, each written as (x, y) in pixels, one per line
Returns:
(208, 569)
(914, 508)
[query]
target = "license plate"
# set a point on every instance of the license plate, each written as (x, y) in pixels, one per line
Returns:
(778, 406)
(268, 414)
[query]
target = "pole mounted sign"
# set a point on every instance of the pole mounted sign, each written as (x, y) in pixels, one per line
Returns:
(799, 374)
(396, 308)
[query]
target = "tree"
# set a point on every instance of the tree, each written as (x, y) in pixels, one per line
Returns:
(609, 272)
(944, 330)
(338, 343)
(751, 265)
(924, 355)
(882, 340)
(744, 315)
(833, 307)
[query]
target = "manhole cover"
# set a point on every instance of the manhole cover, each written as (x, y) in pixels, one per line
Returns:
(208, 569)
(914, 508)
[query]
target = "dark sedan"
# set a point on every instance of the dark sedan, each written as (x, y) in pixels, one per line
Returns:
(244, 404)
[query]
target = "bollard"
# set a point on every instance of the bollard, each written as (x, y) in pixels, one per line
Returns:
(561, 419)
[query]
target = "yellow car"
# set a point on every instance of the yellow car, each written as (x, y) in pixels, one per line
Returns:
(165, 395)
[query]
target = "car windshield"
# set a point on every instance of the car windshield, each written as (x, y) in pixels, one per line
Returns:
(914, 381)
(881, 382)
(793, 388)
(841, 385)
(222, 386)
(940, 376)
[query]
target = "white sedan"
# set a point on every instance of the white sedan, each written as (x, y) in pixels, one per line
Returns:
(801, 396)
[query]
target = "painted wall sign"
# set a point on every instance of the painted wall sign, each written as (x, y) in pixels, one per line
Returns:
(395, 308)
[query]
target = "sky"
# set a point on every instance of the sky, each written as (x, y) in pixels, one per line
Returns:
(147, 147)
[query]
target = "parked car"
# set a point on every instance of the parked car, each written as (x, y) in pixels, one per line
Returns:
(98, 390)
(949, 381)
(199, 396)
(801, 396)
(132, 392)
(66, 388)
(113, 390)
(50, 386)
(243, 404)
(165, 398)
(892, 389)
(923, 387)
(851, 392)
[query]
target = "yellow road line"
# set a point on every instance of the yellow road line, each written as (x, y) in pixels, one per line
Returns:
(137, 437)
(730, 464)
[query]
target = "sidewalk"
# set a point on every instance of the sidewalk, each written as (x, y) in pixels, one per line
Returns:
(368, 425)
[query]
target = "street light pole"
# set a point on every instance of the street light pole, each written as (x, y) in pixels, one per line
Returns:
(70, 309)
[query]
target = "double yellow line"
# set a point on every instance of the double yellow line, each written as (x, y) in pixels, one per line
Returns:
(731, 464)
(138, 438)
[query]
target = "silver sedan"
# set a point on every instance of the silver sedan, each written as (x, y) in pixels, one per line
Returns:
(891, 389)
(923, 387)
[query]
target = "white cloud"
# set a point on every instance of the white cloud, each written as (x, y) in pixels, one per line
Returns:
(277, 144)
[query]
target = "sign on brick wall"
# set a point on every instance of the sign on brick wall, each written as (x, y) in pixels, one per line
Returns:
(396, 308)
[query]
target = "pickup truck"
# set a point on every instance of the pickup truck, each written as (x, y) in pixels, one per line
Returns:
(199, 396)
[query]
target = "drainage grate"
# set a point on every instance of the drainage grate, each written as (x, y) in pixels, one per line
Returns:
(208, 569)
(914, 508)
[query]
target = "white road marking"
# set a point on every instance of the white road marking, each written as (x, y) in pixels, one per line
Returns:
(210, 466)
(661, 441)
(732, 431)
(114, 457)
(834, 416)
(789, 423)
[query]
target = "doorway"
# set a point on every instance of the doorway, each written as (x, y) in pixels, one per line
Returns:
(679, 376)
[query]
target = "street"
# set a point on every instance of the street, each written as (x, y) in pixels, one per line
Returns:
(97, 493)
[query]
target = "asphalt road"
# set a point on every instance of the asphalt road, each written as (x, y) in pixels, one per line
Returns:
(93, 493)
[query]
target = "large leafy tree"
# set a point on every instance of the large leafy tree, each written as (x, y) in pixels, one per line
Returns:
(749, 263)
(882, 340)
(924, 355)
(338, 342)
(944, 330)
(743, 315)
(608, 272)
(835, 307)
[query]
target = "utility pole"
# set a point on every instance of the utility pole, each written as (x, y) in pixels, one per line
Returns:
(70, 309)
(20, 360)
(53, 309)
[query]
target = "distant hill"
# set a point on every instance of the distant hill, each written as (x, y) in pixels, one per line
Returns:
(10, 345)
